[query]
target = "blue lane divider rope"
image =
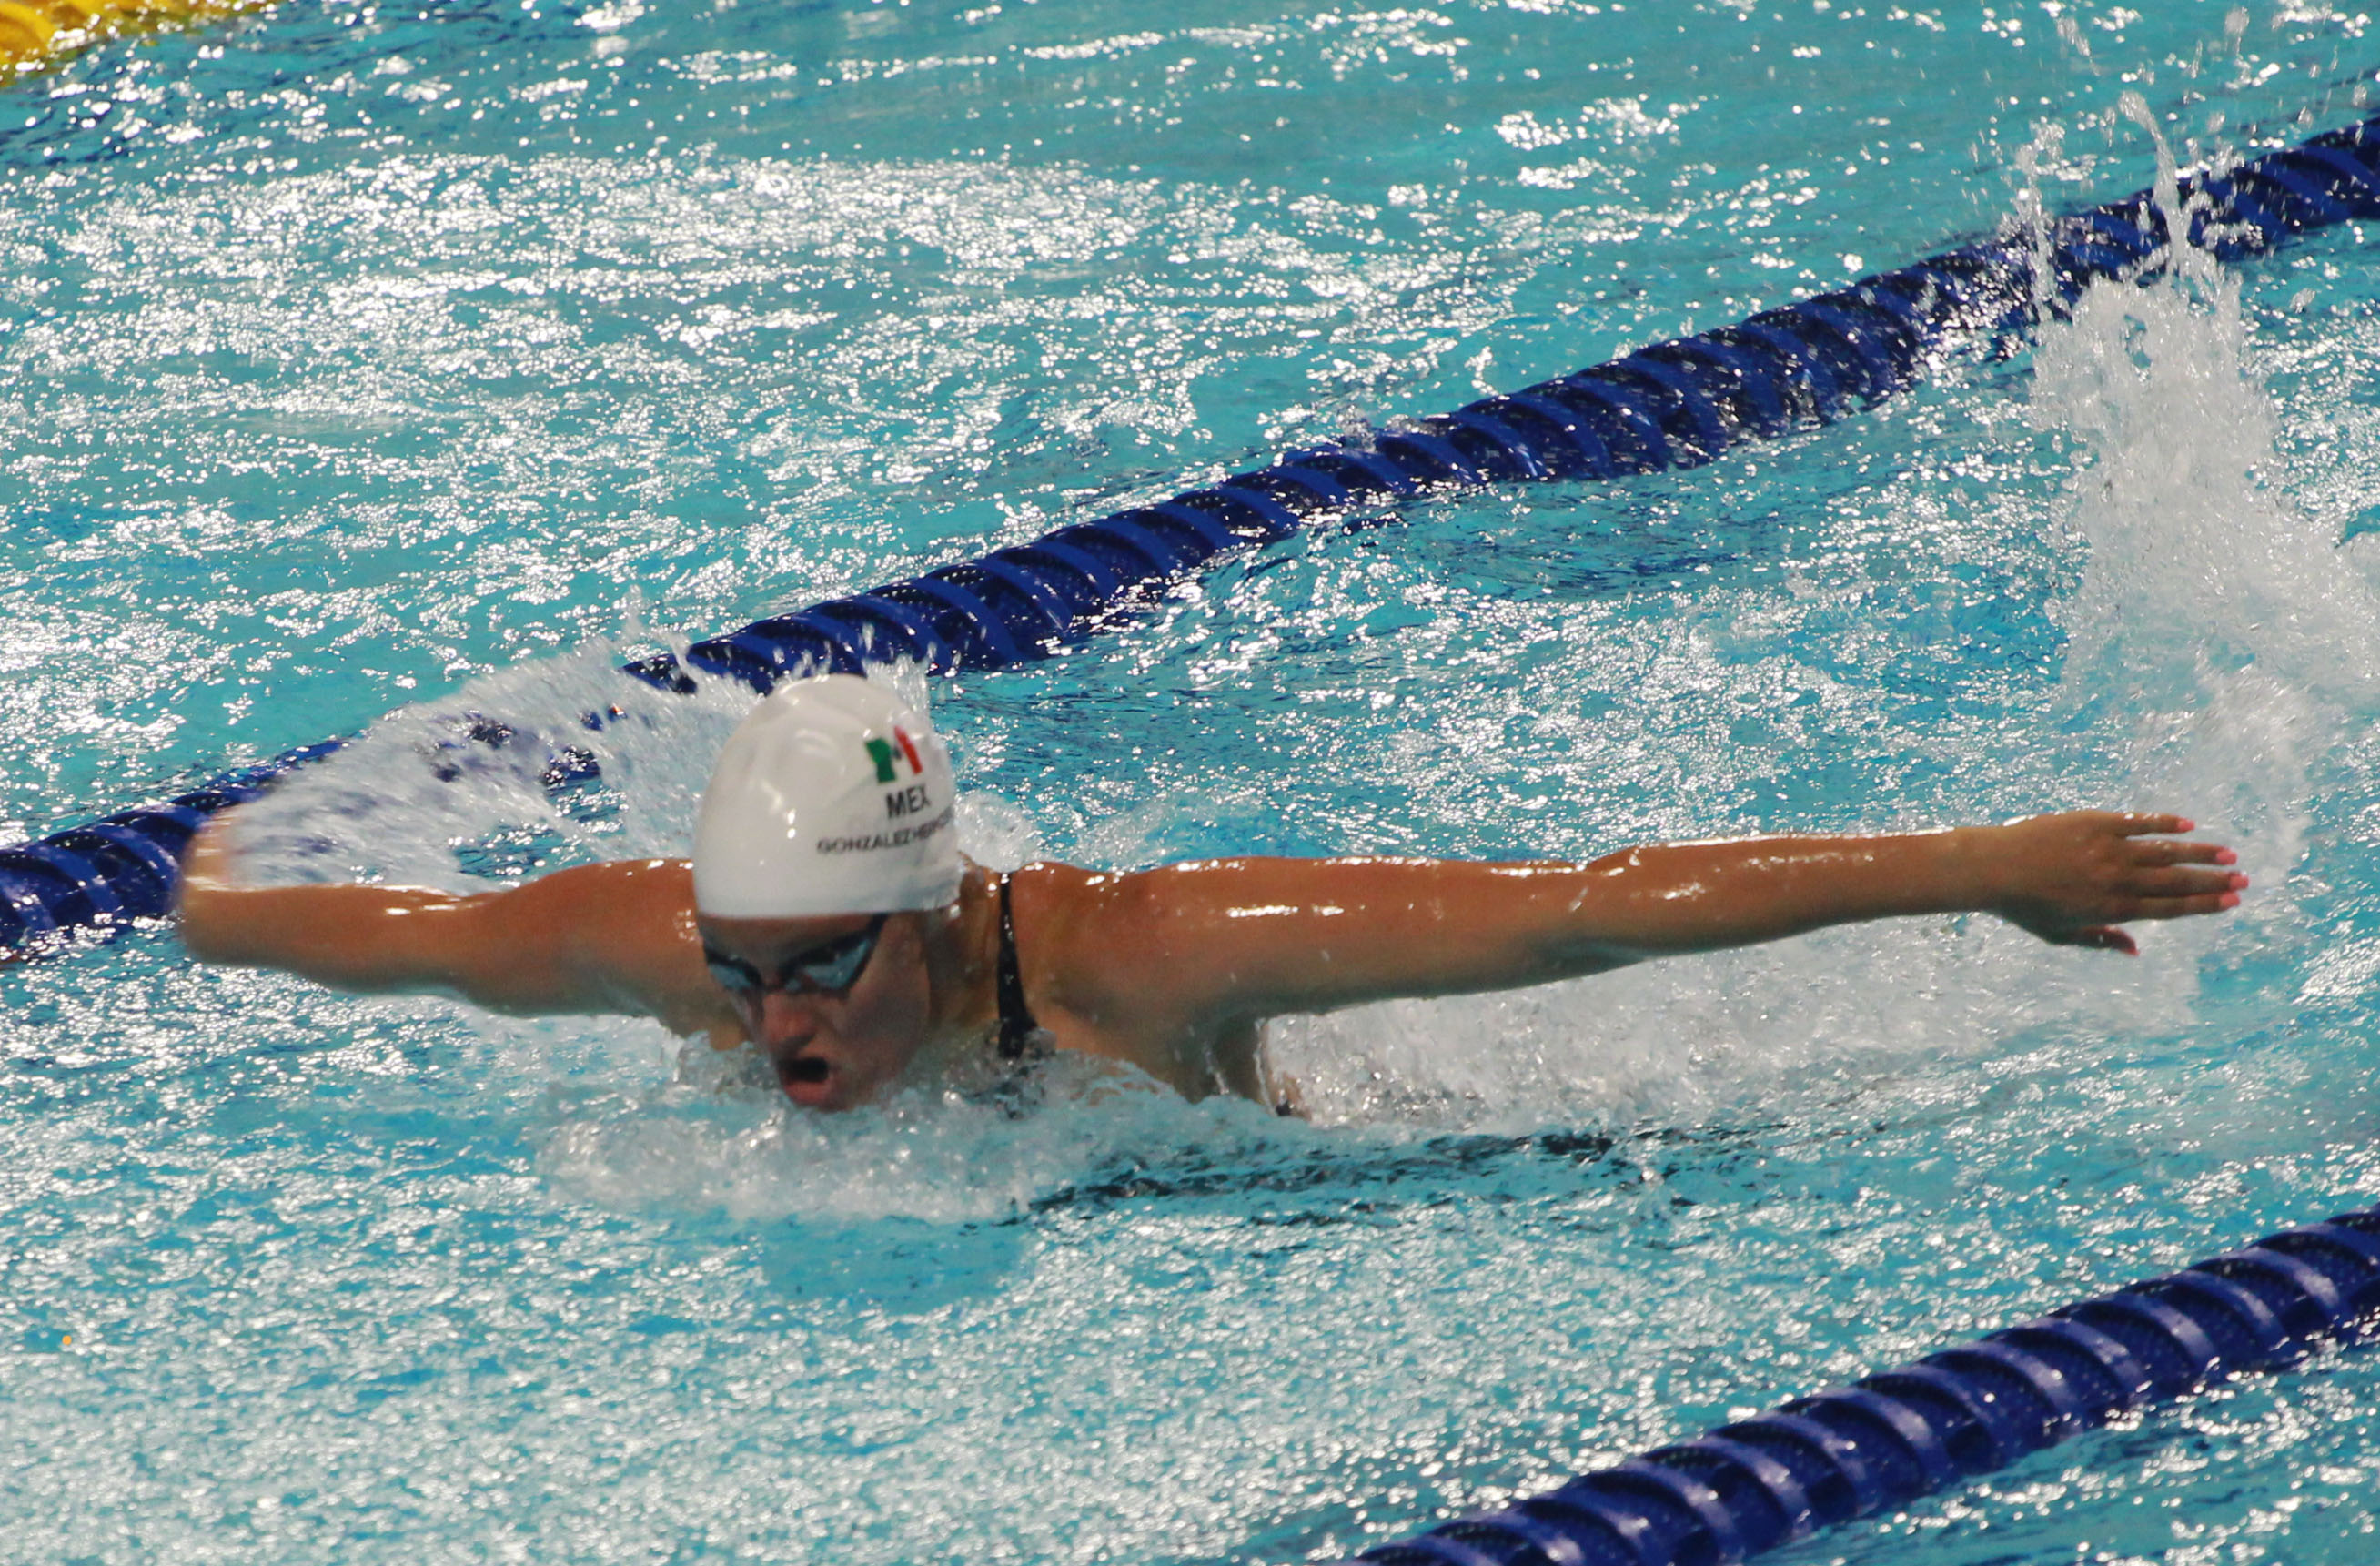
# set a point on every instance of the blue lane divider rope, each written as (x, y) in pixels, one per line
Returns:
(1827, 1459)
(121, 867)
(1672, 405)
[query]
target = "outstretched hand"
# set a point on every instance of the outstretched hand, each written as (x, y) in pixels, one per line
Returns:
(2074, 879)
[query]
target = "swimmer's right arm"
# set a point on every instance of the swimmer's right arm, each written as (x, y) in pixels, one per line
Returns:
(611, 938)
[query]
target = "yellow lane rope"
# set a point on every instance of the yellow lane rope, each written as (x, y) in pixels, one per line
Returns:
(37, 32)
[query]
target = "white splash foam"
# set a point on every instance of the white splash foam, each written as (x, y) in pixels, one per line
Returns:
(718, 1136)
(2217, 639)
(2213, 638)
(417, 801)
(399, 801)
(2220, 624)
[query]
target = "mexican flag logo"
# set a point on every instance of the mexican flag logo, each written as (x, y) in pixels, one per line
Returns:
(892, 754)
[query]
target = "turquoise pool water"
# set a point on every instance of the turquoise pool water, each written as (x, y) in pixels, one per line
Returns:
(363, 363)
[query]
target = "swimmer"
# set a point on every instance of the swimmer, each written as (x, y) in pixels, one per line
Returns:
(828, 917)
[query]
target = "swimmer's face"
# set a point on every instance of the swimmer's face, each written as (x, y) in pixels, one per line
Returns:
(838, 1006)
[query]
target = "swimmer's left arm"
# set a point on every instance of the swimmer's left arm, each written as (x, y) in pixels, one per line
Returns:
(1243, 938)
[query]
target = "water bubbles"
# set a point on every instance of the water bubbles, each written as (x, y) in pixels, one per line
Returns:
(438, 793)
(392, 412)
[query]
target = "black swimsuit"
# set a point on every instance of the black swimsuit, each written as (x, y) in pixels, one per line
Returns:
(1020, 1038)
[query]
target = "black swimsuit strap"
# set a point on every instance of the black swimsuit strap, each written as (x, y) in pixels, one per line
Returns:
(1017, 1030)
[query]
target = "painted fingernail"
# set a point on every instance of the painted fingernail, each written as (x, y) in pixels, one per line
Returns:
(2231, 900)
(2225, 857)
(2239, 881)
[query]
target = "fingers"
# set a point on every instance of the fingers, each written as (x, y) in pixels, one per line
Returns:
(2136, 869)
(2132, 826)
(2185, 907)
(2135, 824)
(2183, 881)
(2170, 853)
(2167, 852)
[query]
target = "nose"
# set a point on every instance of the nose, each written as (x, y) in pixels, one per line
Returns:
(785, 1021)
(786, 1028)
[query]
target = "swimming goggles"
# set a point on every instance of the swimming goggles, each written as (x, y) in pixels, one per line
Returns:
(830, 967)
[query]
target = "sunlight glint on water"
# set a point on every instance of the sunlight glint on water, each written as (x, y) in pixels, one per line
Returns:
(360, 361)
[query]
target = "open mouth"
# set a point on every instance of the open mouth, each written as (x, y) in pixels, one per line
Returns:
(806, 1079)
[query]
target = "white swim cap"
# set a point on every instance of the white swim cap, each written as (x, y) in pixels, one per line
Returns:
(833, 797)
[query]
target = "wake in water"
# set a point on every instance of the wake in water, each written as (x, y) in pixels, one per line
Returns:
(460, 794)
(2216, 645)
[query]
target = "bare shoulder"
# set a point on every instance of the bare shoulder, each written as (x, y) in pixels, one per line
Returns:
(632, 900)
(1176, 969)
(1124, 950)
(651, 885)
(628, 925)
(1065, 919)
